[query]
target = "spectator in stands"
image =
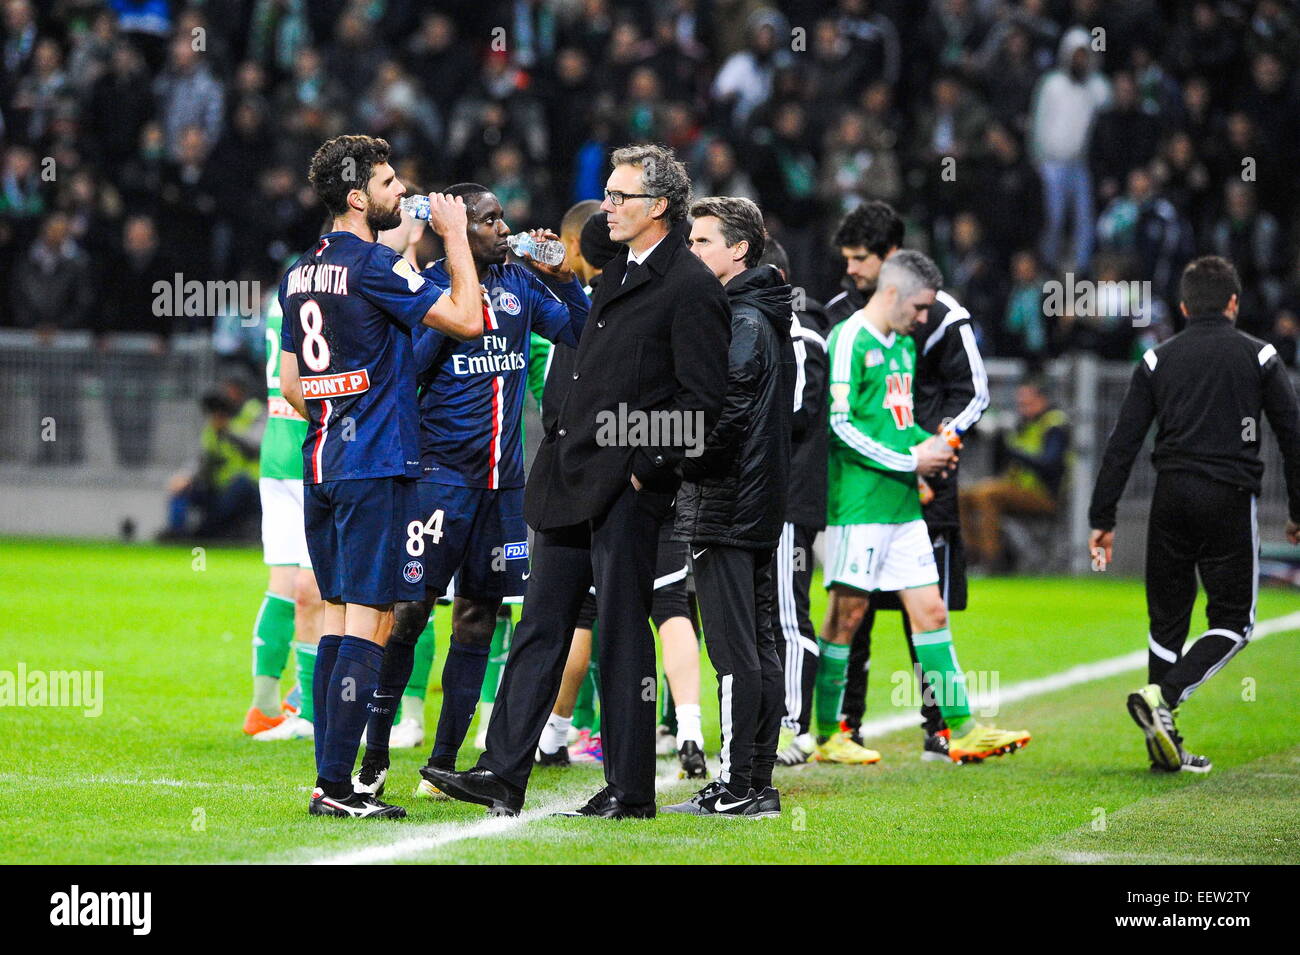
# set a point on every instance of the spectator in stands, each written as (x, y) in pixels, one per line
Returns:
(119, 106)
(875, 40)
(189, 96)
(973, 273)
(1031, 464)
(1184, 179)
(32, 106)
(441, 60)
(219, 498)
(785, 173)
(744, 82)
(133, 335)
(1067, 101)
(1004, 179)
(1005, 66)
(1251, 239)
(19, 43)
(720, 175)
(1025, 331)
(52, 293)
(859, 162)
(1126, 137)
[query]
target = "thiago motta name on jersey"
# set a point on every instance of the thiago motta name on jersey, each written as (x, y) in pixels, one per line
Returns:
(319, 277)
(338, 385)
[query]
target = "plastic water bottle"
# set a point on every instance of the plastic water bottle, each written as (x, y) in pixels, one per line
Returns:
(951, 436)
(417, 207)
(548, 252)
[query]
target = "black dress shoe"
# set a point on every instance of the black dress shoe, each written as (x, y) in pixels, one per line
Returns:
(606, 805)
(477, 785)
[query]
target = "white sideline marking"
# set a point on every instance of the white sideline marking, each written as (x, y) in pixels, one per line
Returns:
(1083, 673)
(446, 833)
(80, 781)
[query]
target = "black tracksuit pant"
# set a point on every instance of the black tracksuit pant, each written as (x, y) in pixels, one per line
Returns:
(1198, 524)
(796, 637)
(615, 551)
(737, 596)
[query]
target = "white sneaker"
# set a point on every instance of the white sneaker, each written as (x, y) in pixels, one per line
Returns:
(291, 727)
(407, 734)
(484, 717)
(369, 782)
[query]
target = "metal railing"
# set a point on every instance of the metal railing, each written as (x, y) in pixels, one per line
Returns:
(75, 411)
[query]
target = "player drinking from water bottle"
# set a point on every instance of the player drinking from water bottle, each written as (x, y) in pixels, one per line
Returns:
(347, 367)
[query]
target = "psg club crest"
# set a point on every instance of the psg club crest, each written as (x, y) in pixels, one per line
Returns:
(508, 303)
(413, 571)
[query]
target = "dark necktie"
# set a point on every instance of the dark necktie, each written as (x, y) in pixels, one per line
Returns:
(632, 266)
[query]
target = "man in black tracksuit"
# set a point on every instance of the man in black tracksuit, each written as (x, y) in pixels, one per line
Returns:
(805, 517)
(950, 386)
(731, 506)
(1204, 389)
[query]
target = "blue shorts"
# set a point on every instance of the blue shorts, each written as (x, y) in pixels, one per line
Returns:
(359, 540)
(480, 538)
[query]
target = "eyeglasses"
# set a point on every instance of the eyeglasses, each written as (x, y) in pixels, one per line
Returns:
(617, 198)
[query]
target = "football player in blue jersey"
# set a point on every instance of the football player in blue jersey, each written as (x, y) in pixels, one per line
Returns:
(471, 488)
(347, 365)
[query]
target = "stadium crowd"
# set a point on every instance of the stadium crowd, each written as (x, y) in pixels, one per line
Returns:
(1106, 140)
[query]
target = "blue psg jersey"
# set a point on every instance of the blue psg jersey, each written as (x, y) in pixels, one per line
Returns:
(349, 308)
(472, 392)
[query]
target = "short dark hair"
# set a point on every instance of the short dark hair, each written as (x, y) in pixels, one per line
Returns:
(467, 191)
(662, 174)
(873, 225)
(775, 255)
(1208, 283)
(578, 215)
(342, 164)
(595, 244)
(740, 222)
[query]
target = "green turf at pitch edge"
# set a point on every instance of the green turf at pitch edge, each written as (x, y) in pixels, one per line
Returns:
(164, 775)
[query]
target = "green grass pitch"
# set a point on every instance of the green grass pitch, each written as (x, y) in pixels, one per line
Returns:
(163, 774)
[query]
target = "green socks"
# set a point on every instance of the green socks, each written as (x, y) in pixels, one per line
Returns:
(938, 660)
(421, 664)
(304, 655)
(497, 654)
(585, 716)
(272, 634)
(832, 673)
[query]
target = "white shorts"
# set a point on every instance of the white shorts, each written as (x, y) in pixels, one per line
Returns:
(872, 557)
(284, 535)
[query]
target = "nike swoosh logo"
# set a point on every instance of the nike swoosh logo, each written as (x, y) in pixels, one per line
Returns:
(525, 576)
(697, 556)
(724, 806)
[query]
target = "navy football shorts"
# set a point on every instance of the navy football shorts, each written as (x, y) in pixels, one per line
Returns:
(358, 539)
(476, 535)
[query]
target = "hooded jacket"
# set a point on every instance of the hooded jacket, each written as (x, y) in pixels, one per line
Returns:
(735, 492)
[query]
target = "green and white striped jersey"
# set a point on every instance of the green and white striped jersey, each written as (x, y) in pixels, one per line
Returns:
(871, 471)
(285, 428)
